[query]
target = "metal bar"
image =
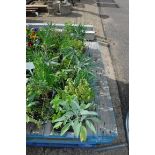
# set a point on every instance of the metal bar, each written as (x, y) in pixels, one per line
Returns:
(127, 126)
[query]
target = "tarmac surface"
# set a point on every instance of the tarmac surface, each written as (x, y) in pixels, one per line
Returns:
(115, 14)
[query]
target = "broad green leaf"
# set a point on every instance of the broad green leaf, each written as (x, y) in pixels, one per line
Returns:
(86, 112)
(76, 127)
(65, 121)
(59, 119)
(83, 134)
(82, 106)
(75, 105)
(65, 105)
(94, 119)
(55, 58)
(29, 119)
(91, 126)
(31, 104)
(31, 97)
(88, 105)
(83, 118)
(53, 63)
(65, 128)
(55, 101)
(57, 125)
(69, 114)
(68, 70)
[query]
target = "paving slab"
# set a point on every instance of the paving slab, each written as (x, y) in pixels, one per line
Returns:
(116, 28)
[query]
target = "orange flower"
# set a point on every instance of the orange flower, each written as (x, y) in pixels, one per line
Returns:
(33, 36)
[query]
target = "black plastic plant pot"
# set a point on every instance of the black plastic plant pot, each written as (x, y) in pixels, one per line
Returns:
(106, 129)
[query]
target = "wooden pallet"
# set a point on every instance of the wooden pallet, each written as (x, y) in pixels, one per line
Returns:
(36, 6)
(32, 11)
(106, 130)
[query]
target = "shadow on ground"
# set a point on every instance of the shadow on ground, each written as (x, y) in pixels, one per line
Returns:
(123, 89)
(95, 14)
(124, 97)
(72, 14)
(69, 151)
(107, 3)
(90, 2)
(121, 105)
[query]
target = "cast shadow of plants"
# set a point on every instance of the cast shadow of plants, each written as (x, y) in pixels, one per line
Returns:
(121, 90)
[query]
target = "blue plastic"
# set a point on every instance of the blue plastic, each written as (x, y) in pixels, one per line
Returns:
(68, 140)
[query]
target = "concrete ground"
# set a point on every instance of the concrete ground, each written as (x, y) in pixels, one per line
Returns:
(116, 68)
(115, 19)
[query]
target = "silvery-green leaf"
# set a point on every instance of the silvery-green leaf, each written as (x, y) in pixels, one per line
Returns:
(31, 104)
(65, 128)
(94, 119)
(69, 114)
(91, 126)
(76, 127)
(75, 105)
(82, 106)
(86, 112)
(88, 105)
(83, 118)
(57, 125)
(83, 133)
(59, 119)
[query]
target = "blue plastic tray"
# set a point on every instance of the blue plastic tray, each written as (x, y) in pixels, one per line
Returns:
(68, 141)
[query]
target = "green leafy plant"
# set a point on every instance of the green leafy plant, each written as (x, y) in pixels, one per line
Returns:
(70, 57)
(59, 89)
(51, 39)
(39, 87)
(83, 90)
(77, 32)
(31, 120)
(74, 43)
(75, 116)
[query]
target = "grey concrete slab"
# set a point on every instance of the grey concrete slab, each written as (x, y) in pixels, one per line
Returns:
(116, 28)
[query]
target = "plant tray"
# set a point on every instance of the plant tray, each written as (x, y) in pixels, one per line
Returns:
(106, 130)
